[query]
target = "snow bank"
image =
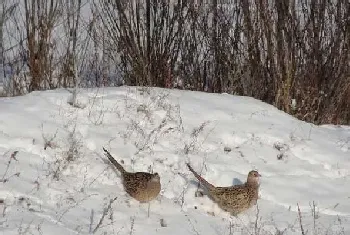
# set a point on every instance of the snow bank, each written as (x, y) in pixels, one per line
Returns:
(59, 181)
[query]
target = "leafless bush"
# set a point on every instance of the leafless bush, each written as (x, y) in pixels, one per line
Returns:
(292, 54)
(192, 144)
(49, 141)
(146, 139)
(69, 74)
(298, 51)
(7, 10)
(73, 99)
(40, 19)
(74, 145)
(70, 153)
(144, 127)
(147, 35)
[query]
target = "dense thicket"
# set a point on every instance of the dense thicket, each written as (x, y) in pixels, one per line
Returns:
(294, 54)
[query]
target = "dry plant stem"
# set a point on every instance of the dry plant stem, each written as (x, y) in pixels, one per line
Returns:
(153, 133)
(13, 157)
(92, 215)
(40, 20)
(132, 222)
(73, 206)
(313, 210)
(4, 210)
(99, 119)
(194, 138)
(230, 228)
(256, 224)
(48, 142)
(181, 198)
(193, 227)
(105, 212)
(300, 221)
(261, 49)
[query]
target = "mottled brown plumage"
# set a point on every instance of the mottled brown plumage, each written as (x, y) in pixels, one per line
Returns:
(234, 199)
(142, 186)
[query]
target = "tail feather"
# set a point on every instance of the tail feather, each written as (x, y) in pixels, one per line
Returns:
(205, 183)
(114, 162)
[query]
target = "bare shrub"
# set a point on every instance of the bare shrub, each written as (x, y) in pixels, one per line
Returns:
(289, 54)
(73, 99)
(192, 144)
(7, 11)
(68, 154)
(144, 127)
(40, 19)
(49, 141)
(292, 54)
(147, 36)
(297, 50)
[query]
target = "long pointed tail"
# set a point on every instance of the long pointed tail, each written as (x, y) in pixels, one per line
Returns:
(205, 183)
(114, 162)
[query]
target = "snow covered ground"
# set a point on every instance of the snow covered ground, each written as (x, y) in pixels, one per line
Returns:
(59, 181)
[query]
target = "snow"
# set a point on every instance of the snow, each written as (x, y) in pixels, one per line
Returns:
(67, 187)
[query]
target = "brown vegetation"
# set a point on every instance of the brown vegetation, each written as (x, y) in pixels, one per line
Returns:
(292, 54)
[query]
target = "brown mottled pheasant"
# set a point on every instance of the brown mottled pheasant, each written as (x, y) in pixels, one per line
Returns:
(142, 186)
(234, 199)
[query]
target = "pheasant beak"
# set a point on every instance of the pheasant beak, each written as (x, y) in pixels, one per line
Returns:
(259, 175)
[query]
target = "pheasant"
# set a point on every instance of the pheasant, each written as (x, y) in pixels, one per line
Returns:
(234, 199)
(142, 186)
